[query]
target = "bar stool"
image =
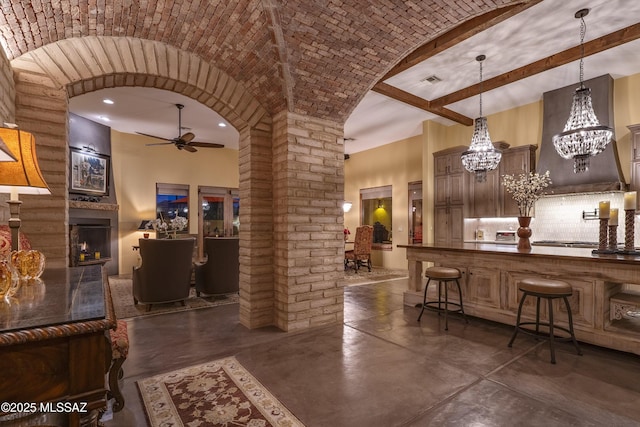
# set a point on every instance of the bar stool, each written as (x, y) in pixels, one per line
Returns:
(550, 290)
(443, 275)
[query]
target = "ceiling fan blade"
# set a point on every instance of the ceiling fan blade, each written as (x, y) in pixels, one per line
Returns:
(187, 137)
(206, 144)
(161, 143)
(153, 136)
(189, 148)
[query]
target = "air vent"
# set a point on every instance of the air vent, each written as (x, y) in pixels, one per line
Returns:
(431, 79)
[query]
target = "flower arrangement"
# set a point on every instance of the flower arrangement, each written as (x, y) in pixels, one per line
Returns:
(174, 225)
(346, 233)
(526, 189)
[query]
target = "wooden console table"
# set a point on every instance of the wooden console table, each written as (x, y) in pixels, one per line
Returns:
(54, 351)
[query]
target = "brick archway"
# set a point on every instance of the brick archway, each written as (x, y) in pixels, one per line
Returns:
(47, 77)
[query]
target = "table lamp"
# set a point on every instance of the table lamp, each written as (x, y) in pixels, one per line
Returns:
(20, 177)
(145, 226)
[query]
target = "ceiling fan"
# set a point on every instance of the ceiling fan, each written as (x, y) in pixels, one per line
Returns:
(184, 142)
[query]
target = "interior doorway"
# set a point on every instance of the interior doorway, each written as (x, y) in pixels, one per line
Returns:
(415, 212)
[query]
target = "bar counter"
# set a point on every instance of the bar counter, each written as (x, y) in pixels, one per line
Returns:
(606, 287)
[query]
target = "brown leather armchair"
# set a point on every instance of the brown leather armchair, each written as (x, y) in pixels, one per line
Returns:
(165, 272)
(220, 273)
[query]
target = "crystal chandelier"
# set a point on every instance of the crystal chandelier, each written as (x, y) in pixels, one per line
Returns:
(481, 155)
(583, 135)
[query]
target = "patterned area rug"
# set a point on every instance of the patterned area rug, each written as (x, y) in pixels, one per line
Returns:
(219, 393)
(125, 309)
(377, 274)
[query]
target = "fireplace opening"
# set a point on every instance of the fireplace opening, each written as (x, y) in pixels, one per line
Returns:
(90, 244)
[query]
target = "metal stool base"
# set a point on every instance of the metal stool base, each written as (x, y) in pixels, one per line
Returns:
(439, 303)
(550, 336)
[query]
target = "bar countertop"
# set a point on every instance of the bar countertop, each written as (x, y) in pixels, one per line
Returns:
(536, 251)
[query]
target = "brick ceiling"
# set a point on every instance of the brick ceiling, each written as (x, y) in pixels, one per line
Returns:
(316, 57)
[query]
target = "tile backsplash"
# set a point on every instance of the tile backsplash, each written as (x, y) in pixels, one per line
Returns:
(558, 218)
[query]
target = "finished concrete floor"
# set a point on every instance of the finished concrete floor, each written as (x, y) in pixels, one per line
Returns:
(383, 368)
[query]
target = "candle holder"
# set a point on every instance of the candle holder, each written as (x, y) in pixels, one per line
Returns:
(603, 247)
(602, 240)
(613, 237)
(629, 237)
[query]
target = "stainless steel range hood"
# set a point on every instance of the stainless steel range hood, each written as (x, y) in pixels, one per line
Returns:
(604, 172)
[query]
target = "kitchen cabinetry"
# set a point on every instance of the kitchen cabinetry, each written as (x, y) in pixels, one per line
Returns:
(484, 197)
(635, 158)
(449, 177)
(515, 161)
(490, 199)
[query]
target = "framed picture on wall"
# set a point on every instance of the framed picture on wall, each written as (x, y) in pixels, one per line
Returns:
(89, 173)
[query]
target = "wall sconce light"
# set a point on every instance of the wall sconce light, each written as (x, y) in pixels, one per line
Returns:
(380, 205)
(346, 206)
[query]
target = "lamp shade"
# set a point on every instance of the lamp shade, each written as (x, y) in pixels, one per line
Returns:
(5, 154)
(145, 225)
(22, 176)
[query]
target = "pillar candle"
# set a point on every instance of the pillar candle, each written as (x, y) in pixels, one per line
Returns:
(613, 218)
(604, 210)
(630, 200)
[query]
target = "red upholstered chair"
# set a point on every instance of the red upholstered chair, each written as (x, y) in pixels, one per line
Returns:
(361, 253)
(5, 241)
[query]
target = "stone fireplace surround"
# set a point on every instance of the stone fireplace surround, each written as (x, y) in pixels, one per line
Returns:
(103, 218)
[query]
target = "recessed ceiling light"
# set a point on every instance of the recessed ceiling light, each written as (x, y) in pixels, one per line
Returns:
(108, 101)
(222, 125)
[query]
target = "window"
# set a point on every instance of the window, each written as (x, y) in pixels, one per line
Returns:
(377, 211)
(172, 200)
(220, 211)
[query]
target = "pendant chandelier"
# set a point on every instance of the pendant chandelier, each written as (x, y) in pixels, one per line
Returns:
(583, 135)
(481, 155)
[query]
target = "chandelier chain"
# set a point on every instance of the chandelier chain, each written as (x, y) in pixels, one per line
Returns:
(583, 31)
(480, 88)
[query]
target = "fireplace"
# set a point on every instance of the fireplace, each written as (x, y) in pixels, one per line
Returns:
(90, 243)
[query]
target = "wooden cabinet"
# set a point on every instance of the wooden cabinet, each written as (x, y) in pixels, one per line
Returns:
(448, 224)
(484, 197)
(483, 287)
(635, 158)
(450, 195)
(515, 161)
(489, 198)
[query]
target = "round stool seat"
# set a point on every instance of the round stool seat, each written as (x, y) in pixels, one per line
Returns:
(442, 273)
(549, 287)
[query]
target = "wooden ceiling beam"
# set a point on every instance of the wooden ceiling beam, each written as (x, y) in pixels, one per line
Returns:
(592, 47)
(416, 101)
(458, 34)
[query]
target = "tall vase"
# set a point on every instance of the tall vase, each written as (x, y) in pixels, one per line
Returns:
(524, 232)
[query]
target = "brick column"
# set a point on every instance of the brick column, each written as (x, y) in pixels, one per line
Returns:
(308, 188)
(256, 228)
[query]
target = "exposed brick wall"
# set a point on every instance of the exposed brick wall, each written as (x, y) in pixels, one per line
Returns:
(41, 108)
(308, 187)
(320, 56)
(256, 235)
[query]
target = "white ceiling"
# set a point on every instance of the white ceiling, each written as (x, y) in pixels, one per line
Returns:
(540, 31)
(154, 112)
